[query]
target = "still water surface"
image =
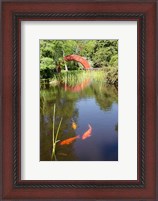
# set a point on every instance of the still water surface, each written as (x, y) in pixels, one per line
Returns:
(91, 103)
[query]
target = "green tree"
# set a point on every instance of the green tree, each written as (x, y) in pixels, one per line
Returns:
(99, 53)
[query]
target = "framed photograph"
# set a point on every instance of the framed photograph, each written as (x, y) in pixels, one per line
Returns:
(79, 100)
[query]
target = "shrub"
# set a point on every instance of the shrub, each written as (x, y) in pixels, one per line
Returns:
(112, 76)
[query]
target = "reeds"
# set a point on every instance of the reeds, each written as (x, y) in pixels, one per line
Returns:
(55, 136)
(73, 77)
(76, 77)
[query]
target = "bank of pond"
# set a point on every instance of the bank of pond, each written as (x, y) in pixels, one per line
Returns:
(73, 77)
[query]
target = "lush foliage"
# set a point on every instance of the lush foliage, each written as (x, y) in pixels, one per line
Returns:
(99, 53)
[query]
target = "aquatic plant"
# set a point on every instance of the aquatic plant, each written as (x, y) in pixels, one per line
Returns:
(75, 77)
(55, 137)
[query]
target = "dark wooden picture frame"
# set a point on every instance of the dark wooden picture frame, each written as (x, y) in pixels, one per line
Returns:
(144, 12)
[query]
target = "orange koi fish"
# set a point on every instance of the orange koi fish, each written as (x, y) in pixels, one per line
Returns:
(69, 140)
(74, 125)
(87, 133)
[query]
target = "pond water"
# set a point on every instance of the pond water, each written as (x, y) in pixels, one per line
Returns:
(89, 128)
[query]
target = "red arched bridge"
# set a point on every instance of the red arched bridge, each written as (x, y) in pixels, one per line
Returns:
(78, 58)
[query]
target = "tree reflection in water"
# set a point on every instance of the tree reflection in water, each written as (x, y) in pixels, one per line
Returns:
(98, 103)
